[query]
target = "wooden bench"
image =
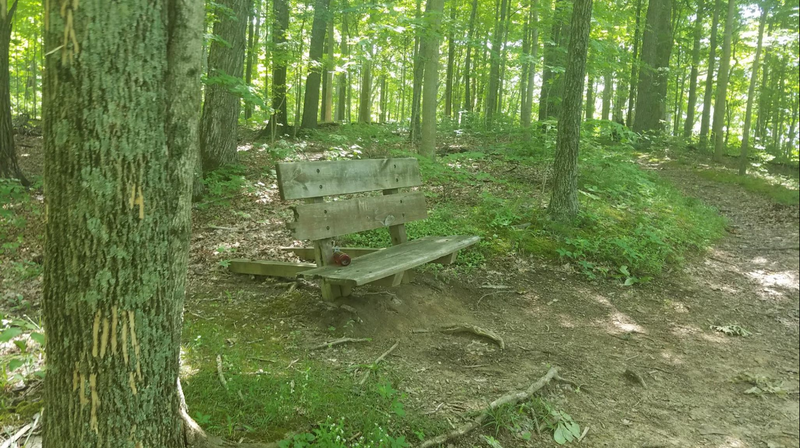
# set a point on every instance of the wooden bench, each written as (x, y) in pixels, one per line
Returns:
(321, 221)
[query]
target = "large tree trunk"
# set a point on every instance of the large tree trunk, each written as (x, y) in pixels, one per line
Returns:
(564, 201)
(634, 65)
(8, 152)
(433, 18)
(688, 125)
(314, 78)
(343, 105)
(722, 84)
(280, 54)
(120, 126)
(468, 60)
(221, 107)
(705, 119)
(654, 76)
(751, 90)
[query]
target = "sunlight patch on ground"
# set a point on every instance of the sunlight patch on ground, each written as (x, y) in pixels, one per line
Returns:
(732, 442)
(679, 307)
(187, 370)
(565, 322)
(684, 330)
(671, 358)
(716, 338)
(244, 148)
(785, 279)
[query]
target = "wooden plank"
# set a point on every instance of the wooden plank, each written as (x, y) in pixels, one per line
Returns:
(390, 261)
(398, 235)
(331, 219)
(307, 253)
(323, 254)
(300, 180)
(269, 268)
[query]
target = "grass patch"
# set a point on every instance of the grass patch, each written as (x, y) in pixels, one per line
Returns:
(306, 402)
(778, 193)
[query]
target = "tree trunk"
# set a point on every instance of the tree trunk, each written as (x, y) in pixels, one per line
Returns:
(365, 95)
(608, 92)
(419, 70)
(343, 104)
(688, 125)
(634, 65)
(468, 59)
(252, 49)
(9, 168)
(433, 18)
(722, 84)
(654, 75)
(494, 64)
(327, 79)
(451, 54)
(314, 77)
(384, 99)
(117, 186)
(748, 116)
(705, 119)
(619, 99)
(590, 98)
(280, 56)
(530, 65)
(221, 106)
(564, 201)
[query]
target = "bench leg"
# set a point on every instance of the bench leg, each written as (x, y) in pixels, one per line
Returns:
(447, 259)
(332, 292)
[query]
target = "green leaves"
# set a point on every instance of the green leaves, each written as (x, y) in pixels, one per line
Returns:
(566, 431)
(10, 333)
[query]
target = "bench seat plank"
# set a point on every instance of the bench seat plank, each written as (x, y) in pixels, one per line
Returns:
(390, 261)
(269, 268)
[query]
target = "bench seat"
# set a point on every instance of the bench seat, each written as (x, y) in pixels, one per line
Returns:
(391, 261)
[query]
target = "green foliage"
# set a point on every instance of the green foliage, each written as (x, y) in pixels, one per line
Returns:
(778, 193)
(222, 184)
(24, 360)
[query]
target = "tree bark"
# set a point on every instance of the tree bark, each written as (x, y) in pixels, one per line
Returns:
(419, 70)
(705, 119)
(590, 98)
(252, 49)
(751, 90)
(120, 131)
(314, 77)
(551, 96)
(564, 200)
(343, 103)
(280, 55)
(218, 126)
(688, 125)
(451, 54)
(327, 79)
(494, 64)
(468, 59)
(608, 92)
(433, 18)
(654, 75)
(722, 84)
(365, 95)
(634, 65)
(530, 64)
(9, 167)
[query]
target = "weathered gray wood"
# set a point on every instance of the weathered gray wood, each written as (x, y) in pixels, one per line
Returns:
(307, 253)
(447, 259)
(390, 261)
(389, 281)
(398, 234)
(269, 268)
(330, 219)
(323, 255)
(300, 180)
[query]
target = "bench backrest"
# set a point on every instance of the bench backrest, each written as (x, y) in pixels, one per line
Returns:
(318, 219)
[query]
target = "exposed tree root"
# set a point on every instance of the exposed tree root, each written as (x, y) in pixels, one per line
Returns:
(377, 361)
(339, 341)
(463, 328)
(512, 398)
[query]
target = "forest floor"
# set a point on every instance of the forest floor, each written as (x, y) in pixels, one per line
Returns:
(706, 355)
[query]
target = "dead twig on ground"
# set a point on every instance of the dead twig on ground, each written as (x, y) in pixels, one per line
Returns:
(219, 372)
(463, 328)
(377, 361)
(338, 342)
(512, 398)
(487, 295)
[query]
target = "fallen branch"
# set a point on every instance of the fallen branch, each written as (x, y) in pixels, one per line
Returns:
(377, 361)
(512, 398)
(463, 328)
(339, 341)
(219, 372)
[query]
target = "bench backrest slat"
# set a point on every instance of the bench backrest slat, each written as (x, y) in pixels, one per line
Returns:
(332, 219)
(300, 180)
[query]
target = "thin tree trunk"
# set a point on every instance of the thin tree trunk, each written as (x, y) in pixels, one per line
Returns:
(634, 65)
(383, 101)
(468, 60)
(705, 119)
(343, 103)
(620, 92)
(433, 13)
(419, 70)
(653, 78)
(315, 50)
(722, 84)
(551, 96)
(118, 184)
(590, 98)
(688, 125)
(327, 78)
(748, 115)
(221, 107)
(9, 167)
(608, 92)
(564, 200)
(494, 66)
(451, 53)
(533, 20)
(365, 95)
(280, 56)
(252, 39)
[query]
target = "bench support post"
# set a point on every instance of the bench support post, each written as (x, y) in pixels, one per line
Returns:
(323, 255)
(398, 234)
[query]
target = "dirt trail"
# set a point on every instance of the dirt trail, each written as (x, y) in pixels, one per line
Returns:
(693, 394)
